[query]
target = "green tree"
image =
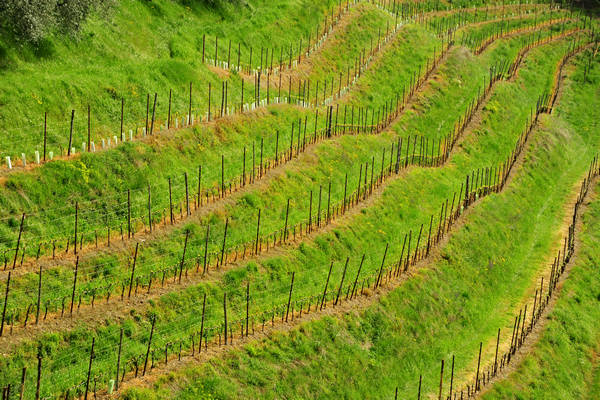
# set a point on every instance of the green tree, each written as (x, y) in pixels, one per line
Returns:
(32, 20)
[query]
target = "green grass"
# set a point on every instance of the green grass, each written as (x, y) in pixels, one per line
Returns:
(26, 192)
(564, 363)
(96, 272)
(339, 53)
(387, 76)
(375, 340)
(444, 310)
(478, 15)
(69, 174)
(101, 193)
(270, 278)
(462, 75)
(473, 37)
(140, 48)
(86, 72)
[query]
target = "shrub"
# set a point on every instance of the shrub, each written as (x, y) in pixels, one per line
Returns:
(32, 20)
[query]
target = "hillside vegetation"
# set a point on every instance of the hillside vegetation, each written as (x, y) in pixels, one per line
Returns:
(298, 199)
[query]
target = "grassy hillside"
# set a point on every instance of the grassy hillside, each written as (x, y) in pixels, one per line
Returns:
(405, 334)
(141, 47)
(357, 236)
(109, 250)
(564, 363)
(272, 199)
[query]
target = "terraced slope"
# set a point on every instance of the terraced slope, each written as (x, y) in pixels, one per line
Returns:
(356, 210)
(349, 336)
(84, 271)
(564, 349)
(404, 325)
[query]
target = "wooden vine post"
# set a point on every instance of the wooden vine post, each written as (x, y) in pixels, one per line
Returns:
(39, 297)
(39, 374)
(478, 365)
(129, 235)
(119, 359)
(133, 270)
(326, 284)
(441, 381)
(285, 228)
(225, 316)
(149, 209)
(202, 324)
(224, 241)
(149, 344)
(206, 249)
(290, 296)
(378, 281)
(247, 307)
(153, 115)
(19, 241)
(190, 106)
(5, 303)
(357, 275)
(337, 297)
(122, 116)
(187, 195)
(71, 133)
(87, 382)
(45, 133)
(171, 204)
(187, 234)
(256, 244)
(169, 112)
(74, 285)
(76, 223)
(451, 377)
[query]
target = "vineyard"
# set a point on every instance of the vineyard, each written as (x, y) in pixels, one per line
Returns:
(303, 199)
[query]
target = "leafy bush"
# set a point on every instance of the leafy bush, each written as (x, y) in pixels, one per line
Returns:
(32, 20)
(210, 3)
